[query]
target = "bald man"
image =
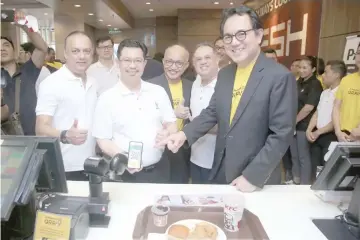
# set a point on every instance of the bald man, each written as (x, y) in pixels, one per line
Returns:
(176, 61)
(66, 105)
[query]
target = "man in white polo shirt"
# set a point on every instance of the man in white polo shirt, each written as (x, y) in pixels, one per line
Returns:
(320, 132)
(205, 63)
(135, 111)
(106, 70)
(66, 104)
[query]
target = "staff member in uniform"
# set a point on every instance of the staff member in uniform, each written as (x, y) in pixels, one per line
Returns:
(134, 110)
(309, 91)
(254, 105)
(66, 104)
(205, 63)
(178, 89)
(346, 113)
(320, 132)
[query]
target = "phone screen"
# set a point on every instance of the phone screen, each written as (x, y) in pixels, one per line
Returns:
(135, 155)
(7, 15)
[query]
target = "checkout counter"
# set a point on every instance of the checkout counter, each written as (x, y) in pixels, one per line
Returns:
(33, 176)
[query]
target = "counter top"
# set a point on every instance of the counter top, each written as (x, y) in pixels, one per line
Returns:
(285, 210)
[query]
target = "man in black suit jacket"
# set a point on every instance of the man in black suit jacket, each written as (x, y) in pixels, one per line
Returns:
(254, 105)
(176, 61)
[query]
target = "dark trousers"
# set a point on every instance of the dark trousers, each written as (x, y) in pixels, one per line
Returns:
(158, 173)
(198, 174)
(300, 155)
(179, 165)
(319, 148)
(76, 176)
(287, 160)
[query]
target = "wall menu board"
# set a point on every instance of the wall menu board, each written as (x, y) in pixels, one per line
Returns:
(291, 27)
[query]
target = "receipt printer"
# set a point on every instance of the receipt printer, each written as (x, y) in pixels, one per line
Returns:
(70, 206)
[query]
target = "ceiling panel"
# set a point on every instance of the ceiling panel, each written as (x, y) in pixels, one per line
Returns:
(139, 8)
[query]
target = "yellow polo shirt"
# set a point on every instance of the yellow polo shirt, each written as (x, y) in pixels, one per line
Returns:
(176, 90)
(241, 78)
(349, 94)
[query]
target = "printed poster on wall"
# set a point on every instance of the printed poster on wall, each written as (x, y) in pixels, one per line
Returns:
(291, 27)
(351, 46)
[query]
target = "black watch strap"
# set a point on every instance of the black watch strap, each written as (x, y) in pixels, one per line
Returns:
(63, 137)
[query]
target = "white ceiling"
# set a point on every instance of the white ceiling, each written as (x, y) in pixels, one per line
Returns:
(66, 8)
(139, 8)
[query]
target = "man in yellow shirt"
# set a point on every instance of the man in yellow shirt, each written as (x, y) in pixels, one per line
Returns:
(346, 112)
(176, 61)
(254, 106)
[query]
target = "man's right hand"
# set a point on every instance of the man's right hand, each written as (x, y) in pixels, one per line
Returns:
(75, 135)
(181, 111)
(174, 141)
(342, 137)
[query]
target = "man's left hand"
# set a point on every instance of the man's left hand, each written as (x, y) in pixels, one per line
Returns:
(355, 134)
(243, 185)
(161, 135)
(316, 135)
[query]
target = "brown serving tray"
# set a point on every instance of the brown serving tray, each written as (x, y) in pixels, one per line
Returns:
(251, 227)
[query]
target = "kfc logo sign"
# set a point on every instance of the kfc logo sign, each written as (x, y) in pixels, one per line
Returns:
(291, 28)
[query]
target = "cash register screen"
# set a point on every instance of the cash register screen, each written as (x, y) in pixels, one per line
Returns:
(11, 166)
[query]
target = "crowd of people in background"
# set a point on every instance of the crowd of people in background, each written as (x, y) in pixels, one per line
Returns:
(225, 113)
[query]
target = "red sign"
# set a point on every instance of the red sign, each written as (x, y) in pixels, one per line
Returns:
(291, 27)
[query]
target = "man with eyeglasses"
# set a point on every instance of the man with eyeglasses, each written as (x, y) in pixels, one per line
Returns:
(254, 106)
(224, 60)
(105, 70)
(135, 111)
(66, 105)
(176, 61)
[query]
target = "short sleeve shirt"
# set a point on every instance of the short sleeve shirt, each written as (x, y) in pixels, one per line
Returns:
(124, 116)
(309, 92)
(28, 74)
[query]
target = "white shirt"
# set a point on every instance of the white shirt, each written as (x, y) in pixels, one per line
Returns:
(325, 107)
(63, 96)
(105, 78)
(124, 116)
(44, 73)
(202, 151)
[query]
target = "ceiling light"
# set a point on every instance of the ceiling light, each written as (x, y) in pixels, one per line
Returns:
(90, 14)
(109, 25)
(231, 3)
(77, 5)
(151, 10)
(100, 20)
(216, 3)
(148, 3)
(45, 14)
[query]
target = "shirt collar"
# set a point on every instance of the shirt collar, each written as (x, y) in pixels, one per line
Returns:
(71, 77)
(125, 91)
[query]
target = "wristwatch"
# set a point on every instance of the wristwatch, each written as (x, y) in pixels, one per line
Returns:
(63, 138)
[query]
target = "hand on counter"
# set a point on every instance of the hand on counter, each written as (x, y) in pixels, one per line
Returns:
(161, 136)
(243, 185)
(133, 170)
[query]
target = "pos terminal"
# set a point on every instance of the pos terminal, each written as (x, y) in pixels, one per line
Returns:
(33, 184)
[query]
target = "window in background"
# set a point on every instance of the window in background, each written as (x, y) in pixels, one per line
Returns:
(116, 46)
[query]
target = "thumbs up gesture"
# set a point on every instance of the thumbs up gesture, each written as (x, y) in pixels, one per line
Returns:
(181, 111)
(75, 135)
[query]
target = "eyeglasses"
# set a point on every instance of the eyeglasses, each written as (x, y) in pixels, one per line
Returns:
(240, 36)
(169, 63)
(106, 47)
(128, 61)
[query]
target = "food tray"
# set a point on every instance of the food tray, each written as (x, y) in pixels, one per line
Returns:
(250, 229)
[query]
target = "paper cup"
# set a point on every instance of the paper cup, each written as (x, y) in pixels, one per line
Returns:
(160, 215)
(233, 212)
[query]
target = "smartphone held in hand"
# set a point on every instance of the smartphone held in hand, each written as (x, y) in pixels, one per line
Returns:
(135, 155)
